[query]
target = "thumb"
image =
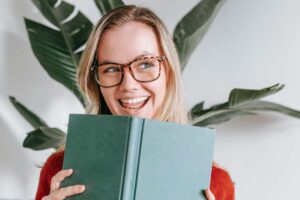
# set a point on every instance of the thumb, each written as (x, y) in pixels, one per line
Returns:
(209, 195)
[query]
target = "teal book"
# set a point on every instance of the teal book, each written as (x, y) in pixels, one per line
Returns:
(129, 158)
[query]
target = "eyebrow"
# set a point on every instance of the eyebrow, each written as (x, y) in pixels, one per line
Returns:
(145, 53)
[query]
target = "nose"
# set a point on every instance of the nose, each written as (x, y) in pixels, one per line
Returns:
(128, 82)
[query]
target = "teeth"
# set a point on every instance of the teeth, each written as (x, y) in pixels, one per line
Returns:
(135, 100)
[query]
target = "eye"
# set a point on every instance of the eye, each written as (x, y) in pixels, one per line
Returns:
(111, 69)
(146, 65)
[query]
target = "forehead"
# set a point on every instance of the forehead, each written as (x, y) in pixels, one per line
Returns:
(128, 41)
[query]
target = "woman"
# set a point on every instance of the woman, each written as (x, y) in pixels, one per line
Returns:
(129, 67)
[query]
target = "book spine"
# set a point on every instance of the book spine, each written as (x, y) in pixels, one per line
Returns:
(132, 161)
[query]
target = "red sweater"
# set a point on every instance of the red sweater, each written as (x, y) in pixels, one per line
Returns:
(221, 184)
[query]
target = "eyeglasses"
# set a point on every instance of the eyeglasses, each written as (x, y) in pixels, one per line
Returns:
(143, 69)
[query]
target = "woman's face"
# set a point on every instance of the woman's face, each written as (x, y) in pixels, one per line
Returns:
(122, 45)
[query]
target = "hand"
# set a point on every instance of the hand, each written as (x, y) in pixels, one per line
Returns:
(209, 195)
(61, 193)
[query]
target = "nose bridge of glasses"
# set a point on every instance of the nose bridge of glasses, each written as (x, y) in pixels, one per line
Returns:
(128, 66)
(130, 71)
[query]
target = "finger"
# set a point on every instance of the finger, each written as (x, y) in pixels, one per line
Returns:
(58, 178)
(209, 195)
(68, 191)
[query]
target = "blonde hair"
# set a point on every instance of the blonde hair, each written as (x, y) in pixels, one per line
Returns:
(173, 108)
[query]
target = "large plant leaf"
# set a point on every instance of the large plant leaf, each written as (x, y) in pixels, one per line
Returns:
(32, 118)
(106, 5)
(219, 116)
(192, 27)
(241, 102)
(55, 11)
(58, 50)
(44, 138)
(223, 115)
(240, 96)
(237, 97)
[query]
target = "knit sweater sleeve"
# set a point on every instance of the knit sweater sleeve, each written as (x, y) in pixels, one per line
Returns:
(221, 184)
(50, 168)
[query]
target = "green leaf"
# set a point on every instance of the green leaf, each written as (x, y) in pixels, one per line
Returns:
(241, 96)
(237, 97)
(198, 108)
(269, 106)
(219, 116)
(44, 138)
(58, 50)
(106, 5)
(241, 102)
(54, 12)
(32, 118)
(193, 26)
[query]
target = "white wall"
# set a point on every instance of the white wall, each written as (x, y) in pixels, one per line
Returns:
(251, 44)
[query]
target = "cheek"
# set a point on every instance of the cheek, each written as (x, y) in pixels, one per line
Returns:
(159, 90)
(163, 83)
(162, 93)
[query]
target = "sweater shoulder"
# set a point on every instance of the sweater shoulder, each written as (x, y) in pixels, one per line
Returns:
(56, 157)
(52, 165)
(54, 162)
(221, 173)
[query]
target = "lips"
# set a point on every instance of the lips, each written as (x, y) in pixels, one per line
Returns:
(133, 103)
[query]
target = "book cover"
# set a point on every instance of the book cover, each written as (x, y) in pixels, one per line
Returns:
(129, 158)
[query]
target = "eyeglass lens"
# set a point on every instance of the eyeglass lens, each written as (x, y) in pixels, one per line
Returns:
(144, 70)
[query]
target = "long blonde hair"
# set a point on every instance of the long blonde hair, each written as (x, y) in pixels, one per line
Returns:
(173, 108)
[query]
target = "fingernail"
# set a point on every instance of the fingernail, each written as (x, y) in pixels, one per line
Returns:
(70, 170)
(82, 188)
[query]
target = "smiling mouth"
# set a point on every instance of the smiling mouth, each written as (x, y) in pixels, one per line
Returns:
(133, 103)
